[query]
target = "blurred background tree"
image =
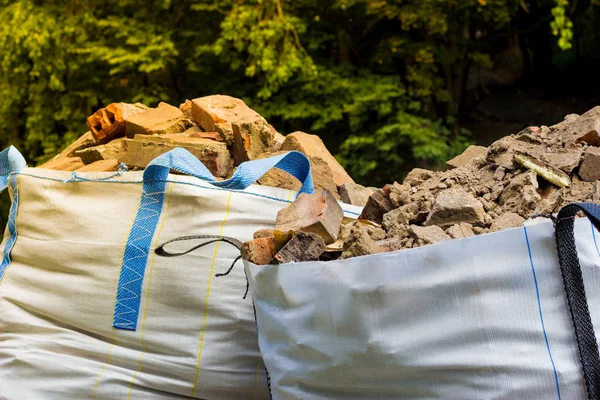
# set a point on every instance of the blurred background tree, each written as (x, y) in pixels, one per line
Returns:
(388, 84)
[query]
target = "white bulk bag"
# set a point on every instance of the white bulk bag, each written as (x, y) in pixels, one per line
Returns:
(78, 258)
(480, 318)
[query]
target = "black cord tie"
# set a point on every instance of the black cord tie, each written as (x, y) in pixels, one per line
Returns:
(160, 251)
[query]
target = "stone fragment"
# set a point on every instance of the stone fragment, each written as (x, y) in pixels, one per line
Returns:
(359, 243)
(64, 164)
(376, 233)
(453, 206)
(502, 151)
(467, 156)
(109, 123)
(312, 146)
(552, 198)
(276, 177)
(596, 192)
(521, 196)
(378, 204)
(264, 233)
(590, 167)
(417, 176)
(506, 221)
(499, 174)
(304, 246)
(319, 213)
(114, 150)
(395, 222)
(399, 194)
(101, 166)
(259, 251)
(355, 194)
(459, 231)
(391, 244)
(322, 173)
(86, 140)
(565, 160)
(424, 235)
(575, 130)
(144, 148)
(161, 120)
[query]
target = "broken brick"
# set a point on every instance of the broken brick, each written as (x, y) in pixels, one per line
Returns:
(388, 245)
(319, 213)
(378, 204)
(144, 148)
(109, 123)
(101, 166)
(259, 251)
(276, 177)
(264, 233)
(304, 246)
(64, 164)
(164, 119)
(453, 206)
(312, 146)
(400, 194)
(113, 150)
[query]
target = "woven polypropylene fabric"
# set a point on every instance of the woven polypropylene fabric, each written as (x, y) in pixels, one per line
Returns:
(575, 292)
(11, 161)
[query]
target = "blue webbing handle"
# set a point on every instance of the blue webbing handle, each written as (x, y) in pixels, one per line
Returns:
(129, 291)
(293, 162)
(11, 161)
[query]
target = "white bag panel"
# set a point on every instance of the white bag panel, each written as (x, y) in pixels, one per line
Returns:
(195, 336)
(456, 320)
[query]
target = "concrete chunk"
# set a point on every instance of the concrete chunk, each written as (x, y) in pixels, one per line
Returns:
(467, 156)
(459, 231)
(506, 221)
(590, 167)
(453, 206)
(424, 235)
(359, 243)
(355, 194)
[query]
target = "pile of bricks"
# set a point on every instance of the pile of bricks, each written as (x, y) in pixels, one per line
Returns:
(521, 176)
(221, 131)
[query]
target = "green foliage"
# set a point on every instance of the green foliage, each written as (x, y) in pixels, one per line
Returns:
(562, 26)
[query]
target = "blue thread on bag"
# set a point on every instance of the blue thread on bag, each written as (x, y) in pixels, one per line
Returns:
(12, 227)
(594, 237)
(537, 292)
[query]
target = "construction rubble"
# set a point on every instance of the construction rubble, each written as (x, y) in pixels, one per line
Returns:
(221, 131)
(532, 173)
(529, 174)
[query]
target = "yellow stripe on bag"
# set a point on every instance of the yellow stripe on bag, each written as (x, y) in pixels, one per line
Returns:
(145, 349)
(212, 268)
(114, 338)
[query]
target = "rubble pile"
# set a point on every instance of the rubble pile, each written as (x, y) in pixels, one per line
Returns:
(534, 172)
(221, 131)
